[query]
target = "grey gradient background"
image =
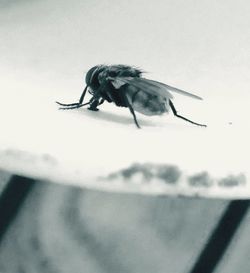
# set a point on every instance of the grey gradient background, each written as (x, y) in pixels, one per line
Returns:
(190, 43)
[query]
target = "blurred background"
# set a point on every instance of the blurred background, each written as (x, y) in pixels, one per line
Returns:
(67, 229)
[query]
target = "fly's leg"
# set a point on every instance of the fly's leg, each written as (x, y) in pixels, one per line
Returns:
(94, 104)
(125, 102)
(101, 101)
(97, 98)
(134, 116)
(179, 116)
(74, 106)
(131, 109)
(77, 104)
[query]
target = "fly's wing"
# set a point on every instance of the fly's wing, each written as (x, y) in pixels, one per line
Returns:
(142, 84)
(150, 86)
(176, 90)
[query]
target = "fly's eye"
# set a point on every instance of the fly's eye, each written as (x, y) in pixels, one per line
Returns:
(91, 74)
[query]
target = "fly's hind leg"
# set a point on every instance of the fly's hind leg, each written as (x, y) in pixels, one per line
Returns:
(179, 116)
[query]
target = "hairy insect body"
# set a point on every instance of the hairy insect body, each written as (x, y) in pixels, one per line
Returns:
(114, 95)
(142, 102)
(117, 71)
(124, 86)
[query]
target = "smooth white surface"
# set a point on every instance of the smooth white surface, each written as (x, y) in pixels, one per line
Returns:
(47, 47)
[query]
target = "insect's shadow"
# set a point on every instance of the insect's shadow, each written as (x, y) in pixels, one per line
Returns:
(115, 118)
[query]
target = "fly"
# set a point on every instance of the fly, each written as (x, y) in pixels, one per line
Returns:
(124, 86)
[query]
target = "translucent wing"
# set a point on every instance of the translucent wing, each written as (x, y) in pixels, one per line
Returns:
(150, 86)
(143, 84)
(176, 90)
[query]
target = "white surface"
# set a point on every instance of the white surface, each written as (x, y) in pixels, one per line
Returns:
(203, 48)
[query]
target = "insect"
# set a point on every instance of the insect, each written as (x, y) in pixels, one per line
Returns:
(125, 86)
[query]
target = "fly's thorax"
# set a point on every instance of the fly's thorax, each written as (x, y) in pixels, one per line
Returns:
(101, 75)
(146, 103)
(118, 71)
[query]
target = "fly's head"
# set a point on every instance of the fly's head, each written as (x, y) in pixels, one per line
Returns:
(92, 77)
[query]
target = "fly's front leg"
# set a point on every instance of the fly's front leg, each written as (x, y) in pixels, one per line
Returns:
(75, 104)
(97, 98)
(94, 103)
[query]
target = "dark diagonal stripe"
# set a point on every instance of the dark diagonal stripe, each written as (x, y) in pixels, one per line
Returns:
(221, 237)
(11, 200)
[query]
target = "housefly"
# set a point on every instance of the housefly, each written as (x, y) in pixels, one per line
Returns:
(125, 86)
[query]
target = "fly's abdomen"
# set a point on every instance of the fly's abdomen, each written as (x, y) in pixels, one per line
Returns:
(146, 103)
